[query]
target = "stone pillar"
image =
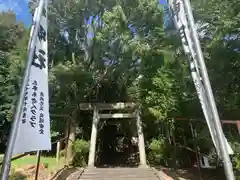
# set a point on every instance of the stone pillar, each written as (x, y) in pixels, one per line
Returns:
(238, 126)
(71, 139)
(93, 141)
(141, 144)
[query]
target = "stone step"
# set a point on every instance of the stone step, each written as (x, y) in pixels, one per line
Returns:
(125, 178)
(118, 174)
(118, 169)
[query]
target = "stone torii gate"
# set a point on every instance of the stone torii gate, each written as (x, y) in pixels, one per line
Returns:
(97, 116)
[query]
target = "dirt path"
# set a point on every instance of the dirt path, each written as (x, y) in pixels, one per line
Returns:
(194, 174)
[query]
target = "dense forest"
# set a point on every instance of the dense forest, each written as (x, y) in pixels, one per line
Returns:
(130, 51)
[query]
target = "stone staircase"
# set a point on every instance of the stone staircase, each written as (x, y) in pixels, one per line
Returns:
(119, 174)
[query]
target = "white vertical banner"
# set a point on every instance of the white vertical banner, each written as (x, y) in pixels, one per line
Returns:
(33, 133)
(181, 23)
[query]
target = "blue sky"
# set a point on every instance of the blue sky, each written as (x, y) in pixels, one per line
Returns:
(20, 7)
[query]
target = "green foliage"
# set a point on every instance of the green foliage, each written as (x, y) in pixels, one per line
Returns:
(46, 165)
(1, 160)
(17, 176)
(221, 51)
(13, 49)
(235, 144)
(160, 98)
(10, 31)
(10, 61)
(8, 86)
(157, 151)
(80, 149)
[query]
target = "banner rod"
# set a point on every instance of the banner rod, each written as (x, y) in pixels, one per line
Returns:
(218, 128)
(17, 116)
(38, 164)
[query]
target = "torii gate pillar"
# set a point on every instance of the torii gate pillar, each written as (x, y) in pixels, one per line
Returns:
(141, 144)
(93, 141)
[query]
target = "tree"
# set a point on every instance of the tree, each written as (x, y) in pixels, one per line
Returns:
(13, 48)
(11, 60)
(221, 50)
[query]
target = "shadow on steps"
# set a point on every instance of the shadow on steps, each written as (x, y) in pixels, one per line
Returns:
(67, 173)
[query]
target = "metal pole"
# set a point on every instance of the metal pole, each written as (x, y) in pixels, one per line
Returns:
(15, 124)
(219, 132)
(38, 163)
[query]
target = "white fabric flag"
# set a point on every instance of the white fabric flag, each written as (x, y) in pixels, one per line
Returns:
(181, 24)
(34, 127)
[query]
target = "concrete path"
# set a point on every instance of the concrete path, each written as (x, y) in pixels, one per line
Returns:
(122, 174)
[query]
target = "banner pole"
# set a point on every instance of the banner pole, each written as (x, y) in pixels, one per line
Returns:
(38, 164)
(218, 128)
(17, 116)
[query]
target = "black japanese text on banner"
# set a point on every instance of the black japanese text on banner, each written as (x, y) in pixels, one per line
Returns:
(181, 24)
(34, 127)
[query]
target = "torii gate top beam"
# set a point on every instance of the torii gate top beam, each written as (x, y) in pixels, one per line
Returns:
(107, 106)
